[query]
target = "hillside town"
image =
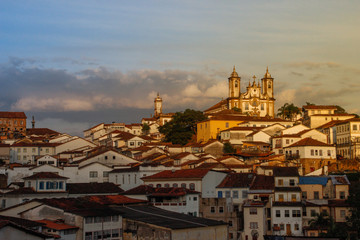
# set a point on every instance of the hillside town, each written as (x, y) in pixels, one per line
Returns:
(240, 169)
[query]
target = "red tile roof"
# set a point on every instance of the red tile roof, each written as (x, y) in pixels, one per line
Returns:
(45, 175)
(237, 180)
(40, 131)
(12, 115)
(57, 225)
(319, 107)
(113, 199)
(309, 142)
(263, 182)
(91, 188)
(217, 105)
(179, 174)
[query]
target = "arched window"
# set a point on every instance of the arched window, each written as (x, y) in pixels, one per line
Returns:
(192, 186)
(183, 185)
(158, 185)
(175, 185)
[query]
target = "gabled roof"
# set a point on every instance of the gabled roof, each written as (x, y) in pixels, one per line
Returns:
(40, 131)
(29, 232)
(21, 221)
(309, 142)
(12, 115)
(263, 182)
(286, 172)
(45, 175)
(339, 179)
(179, 174)
(237, 180)
(166, 219)
(140, 190)
(92, 188)
(217, 105)
(57, 225)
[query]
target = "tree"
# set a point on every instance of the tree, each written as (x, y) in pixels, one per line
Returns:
(182, 127)
(288, 111)
(145, 129)
(228, 148)
(321, 222)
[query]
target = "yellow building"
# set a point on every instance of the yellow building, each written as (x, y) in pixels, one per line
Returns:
(210, 128)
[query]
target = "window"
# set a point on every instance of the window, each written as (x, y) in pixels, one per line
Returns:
(262, 106)
(342, 213)
(253, 211)
(296, 213)
(292, 182)
(282, 228)
(293, 197)
(354, 127)
(312, 213)
(93, 174)
(19, 150)
(230, 223)
(316, 195)
(287, 213)
(235, 194)
(33, 150)
(212, 209)
(227, 125)
(105, 174)
(253, 225)
(342, 195)
(89, 220)
(115, 218)
(280, 182)
(192, 186)
(220, 194)
(244, 194)
(167, 185)
(296, 227)
(312, 152)
(47, 150)
(175, 185)
(227, 194)
(61, 185)
(320, 152)
(195, 199)
(287, 141)
(115, 233)
(304, 195)
(41, 185)
(158, 185)
(246, 106)
(106, 157)
(221, 209)
(277, 213)
(183, 185)
(281, 197)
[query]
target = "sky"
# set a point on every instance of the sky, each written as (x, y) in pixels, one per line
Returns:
(74, 64)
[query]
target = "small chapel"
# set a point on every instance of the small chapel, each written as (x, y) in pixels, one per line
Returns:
(258, 100)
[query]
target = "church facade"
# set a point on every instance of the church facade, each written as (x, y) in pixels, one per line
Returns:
(258, 100)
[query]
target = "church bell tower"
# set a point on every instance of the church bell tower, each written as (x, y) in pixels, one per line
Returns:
(158, 106)
(268, 84)
(234, 90)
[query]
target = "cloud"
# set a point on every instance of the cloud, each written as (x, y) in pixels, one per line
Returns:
(92, 89)
(312, 65)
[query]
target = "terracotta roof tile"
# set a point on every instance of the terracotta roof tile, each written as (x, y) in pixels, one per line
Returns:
(12, 115)
(309, 142)
(57, 225)
(237, 180)
(179, 174)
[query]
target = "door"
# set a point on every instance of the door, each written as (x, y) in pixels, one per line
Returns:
(288, 229)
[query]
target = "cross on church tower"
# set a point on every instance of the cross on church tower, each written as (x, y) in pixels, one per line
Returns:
(254, 77)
